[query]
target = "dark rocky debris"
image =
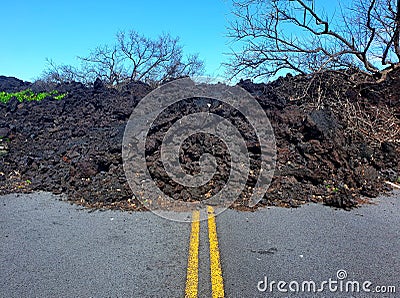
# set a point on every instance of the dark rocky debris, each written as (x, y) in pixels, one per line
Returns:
(73, 145)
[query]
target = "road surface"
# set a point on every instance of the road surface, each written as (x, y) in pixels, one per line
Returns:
(49, 248)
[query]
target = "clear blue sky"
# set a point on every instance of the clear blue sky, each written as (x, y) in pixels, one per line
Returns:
(61, 30)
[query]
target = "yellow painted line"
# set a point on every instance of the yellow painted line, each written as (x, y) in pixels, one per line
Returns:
(192, 275)
(217, 282)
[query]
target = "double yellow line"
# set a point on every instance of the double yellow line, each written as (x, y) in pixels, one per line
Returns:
(192, 279)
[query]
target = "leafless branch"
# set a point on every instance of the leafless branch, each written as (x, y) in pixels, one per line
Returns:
(295, 35)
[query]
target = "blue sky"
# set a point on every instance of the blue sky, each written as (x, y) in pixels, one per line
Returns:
(61, 30)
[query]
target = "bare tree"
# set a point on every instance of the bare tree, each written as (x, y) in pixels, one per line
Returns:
(133, 58)
(298, 36)
(156, 60)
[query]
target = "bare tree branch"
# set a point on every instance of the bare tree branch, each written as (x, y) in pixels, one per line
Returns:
(293, 35)
(104, 62)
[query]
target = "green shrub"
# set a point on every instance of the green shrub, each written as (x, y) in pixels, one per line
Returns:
(29, 95)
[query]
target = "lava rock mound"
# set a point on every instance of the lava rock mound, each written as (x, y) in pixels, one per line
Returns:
(333, 149)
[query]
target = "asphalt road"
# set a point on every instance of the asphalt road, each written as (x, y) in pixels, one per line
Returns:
(49, 248)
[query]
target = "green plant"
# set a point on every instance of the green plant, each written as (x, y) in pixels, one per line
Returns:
(29, 95)
(331, 188)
